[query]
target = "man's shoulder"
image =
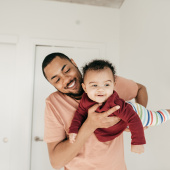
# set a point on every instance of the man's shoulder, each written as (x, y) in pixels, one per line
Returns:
(127, 89)
(58, 99)
(55, 96)
(119, 79)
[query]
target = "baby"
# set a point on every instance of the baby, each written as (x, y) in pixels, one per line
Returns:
(98, 84)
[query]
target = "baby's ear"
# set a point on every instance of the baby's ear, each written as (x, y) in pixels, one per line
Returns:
(84, 87)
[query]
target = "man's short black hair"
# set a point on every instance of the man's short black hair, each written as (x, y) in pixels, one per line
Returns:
(98, 65)
(50, 57)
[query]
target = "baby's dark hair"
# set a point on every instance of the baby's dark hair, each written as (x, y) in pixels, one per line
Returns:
(98, 65)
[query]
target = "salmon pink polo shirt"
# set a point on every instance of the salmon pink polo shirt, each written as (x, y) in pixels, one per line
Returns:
(95, 155)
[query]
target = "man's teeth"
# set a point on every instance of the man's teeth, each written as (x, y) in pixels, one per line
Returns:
(71, 84)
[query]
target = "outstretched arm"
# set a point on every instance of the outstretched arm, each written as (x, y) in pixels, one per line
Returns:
(142, 95)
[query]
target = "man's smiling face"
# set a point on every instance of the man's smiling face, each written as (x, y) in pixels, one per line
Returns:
(64, 76)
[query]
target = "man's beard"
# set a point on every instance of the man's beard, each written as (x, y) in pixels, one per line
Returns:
(77, 95)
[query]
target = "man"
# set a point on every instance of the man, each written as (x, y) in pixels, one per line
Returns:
(87, 153)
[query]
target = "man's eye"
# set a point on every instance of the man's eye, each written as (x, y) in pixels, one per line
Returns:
(57, 80)
(67, 70)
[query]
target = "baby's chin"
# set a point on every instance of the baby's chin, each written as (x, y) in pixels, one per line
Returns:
(100, 101)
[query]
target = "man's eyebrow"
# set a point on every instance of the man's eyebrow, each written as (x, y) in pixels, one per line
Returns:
(61, 70)
(63, 67)
(53, 77)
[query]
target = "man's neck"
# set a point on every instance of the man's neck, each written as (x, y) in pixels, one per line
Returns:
(75, 97)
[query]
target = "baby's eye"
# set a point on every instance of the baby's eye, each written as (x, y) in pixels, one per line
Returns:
(107, 84)
(94, 85)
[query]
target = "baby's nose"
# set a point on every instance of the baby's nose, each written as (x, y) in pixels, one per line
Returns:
(100, 89)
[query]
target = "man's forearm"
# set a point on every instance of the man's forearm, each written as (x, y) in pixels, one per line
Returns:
(64, 151)
(142, 95)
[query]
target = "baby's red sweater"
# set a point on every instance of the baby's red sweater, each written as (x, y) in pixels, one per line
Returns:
(128, 118)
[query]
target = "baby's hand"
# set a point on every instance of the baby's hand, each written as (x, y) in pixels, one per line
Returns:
(137, 149)
(72, 137)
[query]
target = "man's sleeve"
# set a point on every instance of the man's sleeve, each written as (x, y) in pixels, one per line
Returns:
(53, 129)
(126, 89)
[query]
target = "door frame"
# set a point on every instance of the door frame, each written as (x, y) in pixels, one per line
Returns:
(11, 40)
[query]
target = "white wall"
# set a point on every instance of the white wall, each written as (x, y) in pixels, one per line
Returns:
(26, 20)
(145, 57)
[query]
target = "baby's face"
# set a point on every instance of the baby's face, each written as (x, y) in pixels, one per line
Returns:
(99, 84)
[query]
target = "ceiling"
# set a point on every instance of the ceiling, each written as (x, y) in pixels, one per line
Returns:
(104, 3)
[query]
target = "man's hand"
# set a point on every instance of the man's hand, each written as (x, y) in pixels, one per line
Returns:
(101, 120)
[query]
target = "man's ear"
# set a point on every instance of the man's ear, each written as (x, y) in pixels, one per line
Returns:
(73, 62)
(84, 87)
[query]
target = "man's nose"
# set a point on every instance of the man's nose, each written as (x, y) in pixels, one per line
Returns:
(66, 80)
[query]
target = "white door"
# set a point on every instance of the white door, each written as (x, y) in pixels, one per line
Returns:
(7, 74)
(42, 89)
